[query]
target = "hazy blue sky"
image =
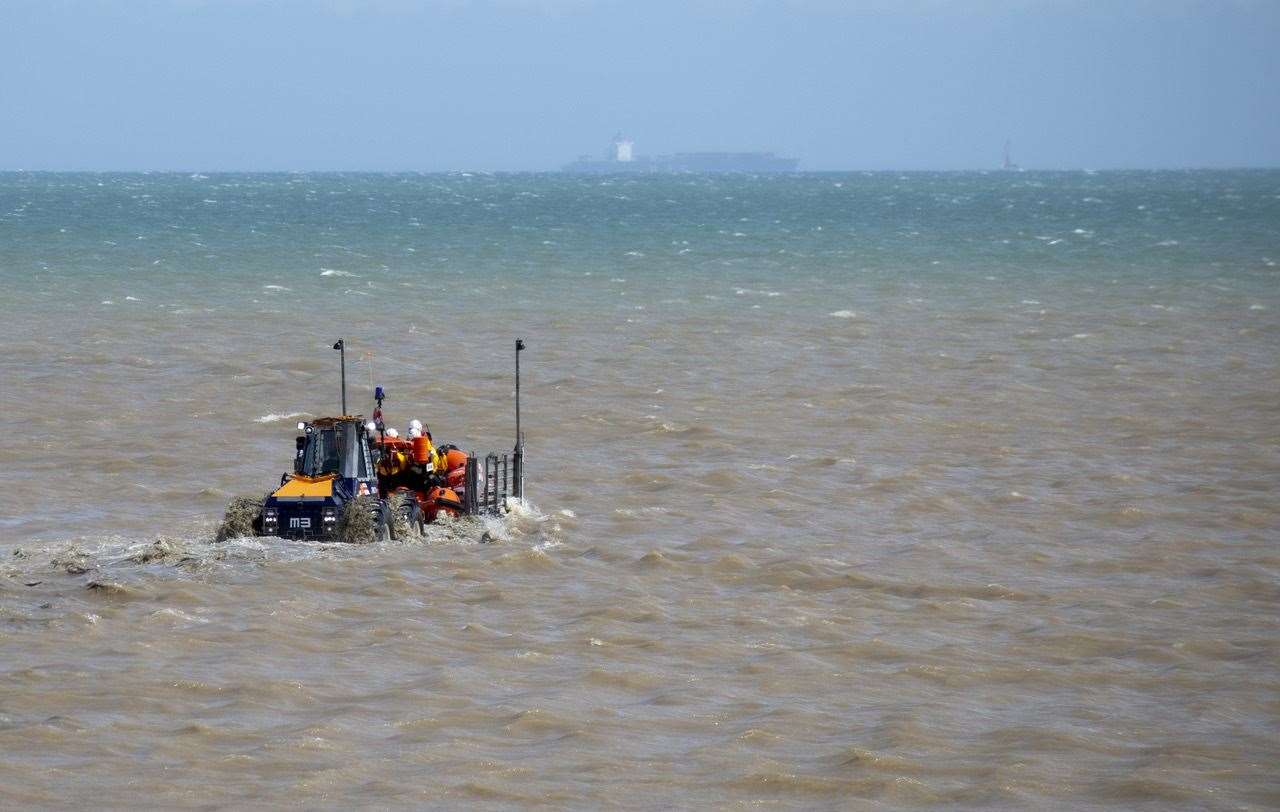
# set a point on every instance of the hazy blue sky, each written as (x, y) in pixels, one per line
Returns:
(530, 84)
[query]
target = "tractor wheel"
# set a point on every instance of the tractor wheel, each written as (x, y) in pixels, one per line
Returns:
(384, 525)
(361, 521)
(243, 518)
(406, 516)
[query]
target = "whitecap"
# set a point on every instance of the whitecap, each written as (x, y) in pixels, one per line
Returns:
(333, 272)
(844, 314)
(275, 418)
(750, 292)
(274, 287)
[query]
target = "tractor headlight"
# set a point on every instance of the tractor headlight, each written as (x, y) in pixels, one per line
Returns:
(270, 519)
(329, 514)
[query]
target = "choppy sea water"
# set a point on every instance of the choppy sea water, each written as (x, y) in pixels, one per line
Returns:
(857, 491)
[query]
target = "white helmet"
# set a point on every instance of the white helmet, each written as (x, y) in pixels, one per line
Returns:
(414, 433)
(371, 427)
(415, 424)
(392, 433)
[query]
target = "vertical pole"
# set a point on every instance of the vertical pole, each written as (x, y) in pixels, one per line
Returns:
(472, 480)
(341, 347)
(517, 487)
(519, 346)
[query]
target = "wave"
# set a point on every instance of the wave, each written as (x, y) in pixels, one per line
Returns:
(276, 418)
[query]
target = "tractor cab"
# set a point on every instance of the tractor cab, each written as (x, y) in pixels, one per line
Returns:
(332, 464)
(334, 445)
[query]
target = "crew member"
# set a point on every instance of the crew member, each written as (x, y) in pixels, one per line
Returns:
(439, 461)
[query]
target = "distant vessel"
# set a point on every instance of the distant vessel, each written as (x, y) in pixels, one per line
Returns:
(1008, 163)
(621, 157)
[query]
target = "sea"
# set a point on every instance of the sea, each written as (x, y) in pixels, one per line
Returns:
(844, 491)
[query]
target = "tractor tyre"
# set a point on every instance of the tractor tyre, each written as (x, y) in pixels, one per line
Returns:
(361, 521)
(406, 516)
(243, 518)
(384, 525)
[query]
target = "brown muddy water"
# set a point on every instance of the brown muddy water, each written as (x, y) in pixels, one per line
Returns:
(845, 492)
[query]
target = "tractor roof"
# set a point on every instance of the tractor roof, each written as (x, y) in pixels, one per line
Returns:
(325, 422)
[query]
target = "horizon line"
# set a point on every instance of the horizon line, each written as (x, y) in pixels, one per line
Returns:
(476, 170)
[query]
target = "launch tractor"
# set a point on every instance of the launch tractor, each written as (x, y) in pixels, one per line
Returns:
(357, 480)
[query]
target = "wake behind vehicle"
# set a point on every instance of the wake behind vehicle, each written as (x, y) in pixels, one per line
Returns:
(357, 480)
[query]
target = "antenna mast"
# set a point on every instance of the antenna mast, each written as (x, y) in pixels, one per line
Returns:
(341, 347)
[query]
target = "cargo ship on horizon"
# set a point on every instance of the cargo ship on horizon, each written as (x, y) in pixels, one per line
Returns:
(621, 158)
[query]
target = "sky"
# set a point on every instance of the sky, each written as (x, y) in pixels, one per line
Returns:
(433, 85)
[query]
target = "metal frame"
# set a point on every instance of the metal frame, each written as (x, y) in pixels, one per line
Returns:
(488, 495)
